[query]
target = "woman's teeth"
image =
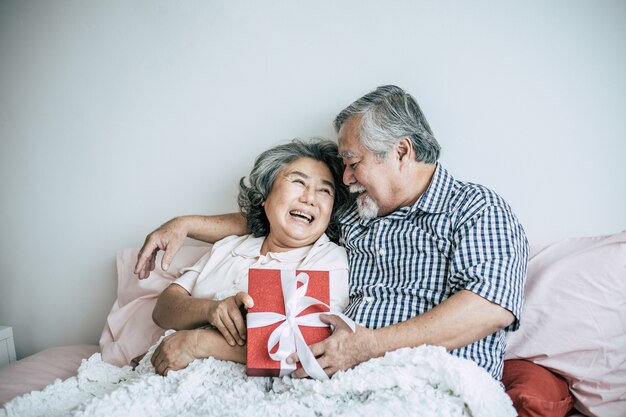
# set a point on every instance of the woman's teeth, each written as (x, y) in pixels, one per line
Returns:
(302, 215)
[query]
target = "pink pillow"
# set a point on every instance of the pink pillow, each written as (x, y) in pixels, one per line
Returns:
(129, 330)
(36, 371)
(574, 320)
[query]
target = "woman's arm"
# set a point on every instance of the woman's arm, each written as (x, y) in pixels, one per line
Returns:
(177, 309)
(177, 350)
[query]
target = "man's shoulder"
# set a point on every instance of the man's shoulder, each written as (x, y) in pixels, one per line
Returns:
(475, 204)
(448, 195)
(473, 196)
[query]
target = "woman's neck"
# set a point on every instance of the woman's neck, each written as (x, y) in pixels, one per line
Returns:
(272, 245)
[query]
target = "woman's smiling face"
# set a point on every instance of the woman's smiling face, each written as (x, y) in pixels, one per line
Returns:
(300, 205)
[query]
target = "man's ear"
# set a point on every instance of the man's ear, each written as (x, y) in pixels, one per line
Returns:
(405, 150)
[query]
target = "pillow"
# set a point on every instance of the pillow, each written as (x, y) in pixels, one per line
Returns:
(574, 319)
(535, 391)
(129, 330)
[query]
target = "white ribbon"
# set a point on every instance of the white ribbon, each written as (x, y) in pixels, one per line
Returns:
(288, 334)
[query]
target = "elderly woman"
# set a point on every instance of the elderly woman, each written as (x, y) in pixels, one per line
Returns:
(291, 200)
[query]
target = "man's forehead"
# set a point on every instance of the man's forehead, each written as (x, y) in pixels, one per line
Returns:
(349, 133)
(349, 147)
(346, 154)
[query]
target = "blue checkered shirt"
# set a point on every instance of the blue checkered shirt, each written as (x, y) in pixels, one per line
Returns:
(457, 236)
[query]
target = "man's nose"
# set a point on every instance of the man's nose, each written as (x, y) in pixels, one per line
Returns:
(348, 176)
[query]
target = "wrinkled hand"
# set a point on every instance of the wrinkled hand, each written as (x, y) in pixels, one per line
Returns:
(343, 350)
(226, 315)
(176, 351)
(169, 237)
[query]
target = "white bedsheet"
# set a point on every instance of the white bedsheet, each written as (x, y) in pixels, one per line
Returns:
(424, 381)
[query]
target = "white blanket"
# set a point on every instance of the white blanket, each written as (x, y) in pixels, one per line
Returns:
(424, 381)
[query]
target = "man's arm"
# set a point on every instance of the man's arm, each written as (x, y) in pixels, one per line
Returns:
(171, 236)
(458, 321)
(462, 319)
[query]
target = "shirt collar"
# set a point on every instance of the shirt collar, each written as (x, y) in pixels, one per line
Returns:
(251, 248)
(435, 198)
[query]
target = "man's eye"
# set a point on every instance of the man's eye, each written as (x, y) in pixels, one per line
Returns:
(353, 165)
(299, 181)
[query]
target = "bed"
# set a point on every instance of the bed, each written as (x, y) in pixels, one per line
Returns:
(568, 358)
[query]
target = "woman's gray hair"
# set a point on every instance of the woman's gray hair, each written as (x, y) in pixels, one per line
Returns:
(389, 114)
(255, 188)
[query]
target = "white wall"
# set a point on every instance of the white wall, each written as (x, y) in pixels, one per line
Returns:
(118, 115)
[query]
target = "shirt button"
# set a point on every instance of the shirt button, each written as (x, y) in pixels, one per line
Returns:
(386, 221)
(368, 299)
(382, 252)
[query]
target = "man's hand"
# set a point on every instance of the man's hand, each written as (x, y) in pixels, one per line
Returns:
(169, 237)
(227, 317)
(343, 350)
(175, 352)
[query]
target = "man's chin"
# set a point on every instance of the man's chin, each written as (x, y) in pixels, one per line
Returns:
(366, 208)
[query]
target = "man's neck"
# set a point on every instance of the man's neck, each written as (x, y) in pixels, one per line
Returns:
(421, 175)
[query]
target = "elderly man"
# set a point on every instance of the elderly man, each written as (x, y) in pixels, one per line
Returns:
(433, 260)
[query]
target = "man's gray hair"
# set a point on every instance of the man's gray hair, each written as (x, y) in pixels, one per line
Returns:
(255, 188)
(389, 114)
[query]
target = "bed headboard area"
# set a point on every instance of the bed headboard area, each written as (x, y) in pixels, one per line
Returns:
(574, 320)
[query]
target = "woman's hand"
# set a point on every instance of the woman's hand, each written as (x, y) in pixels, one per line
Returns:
(226, 315)
(176, 351)
(179, 349)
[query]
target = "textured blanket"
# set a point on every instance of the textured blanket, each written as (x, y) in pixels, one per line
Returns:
(424, 381)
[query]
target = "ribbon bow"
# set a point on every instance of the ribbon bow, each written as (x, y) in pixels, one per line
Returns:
(288, 335)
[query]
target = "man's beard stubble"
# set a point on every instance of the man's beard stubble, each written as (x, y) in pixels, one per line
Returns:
(366, 206)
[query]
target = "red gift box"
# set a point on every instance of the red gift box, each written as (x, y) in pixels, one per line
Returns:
(284, 318)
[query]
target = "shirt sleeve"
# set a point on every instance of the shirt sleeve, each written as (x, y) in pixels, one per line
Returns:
(491, 257)
(190, 275)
